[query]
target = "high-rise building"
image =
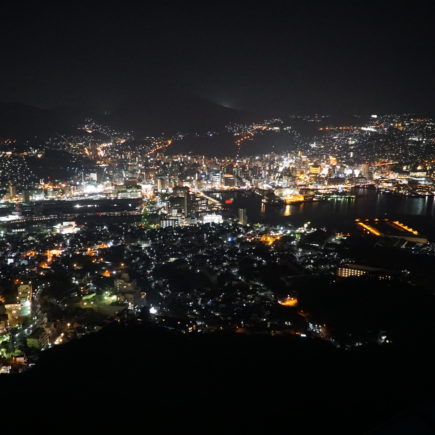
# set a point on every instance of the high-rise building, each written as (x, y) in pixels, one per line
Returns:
(26, 196)
(161, 184)
(229, 180)
(365, 170)
(215, 177)
(229, 169)
(186, 203)
(243, 216)
(12, 191)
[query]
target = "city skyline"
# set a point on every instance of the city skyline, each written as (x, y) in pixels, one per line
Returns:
(217, 217)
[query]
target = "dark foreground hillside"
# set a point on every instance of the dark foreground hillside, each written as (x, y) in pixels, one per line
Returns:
(138, 379)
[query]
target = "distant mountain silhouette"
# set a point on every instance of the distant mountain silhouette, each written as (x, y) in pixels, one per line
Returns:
(143, 116)
(173, 114)
(24, 121)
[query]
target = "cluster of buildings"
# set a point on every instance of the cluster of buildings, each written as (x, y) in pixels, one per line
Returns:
(197, 278)
(70, 279)
(392, 153)
(146, 236)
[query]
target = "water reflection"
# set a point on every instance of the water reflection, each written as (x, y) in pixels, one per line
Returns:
(287, 210)
(336, 212)
(263, 208)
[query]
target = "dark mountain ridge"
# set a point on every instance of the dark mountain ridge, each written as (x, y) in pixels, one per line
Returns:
(173, 383)
(22, 121)
(139, 115)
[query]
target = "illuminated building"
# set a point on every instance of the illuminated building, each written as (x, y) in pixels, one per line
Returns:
(212, 219)
(243, 216)
(67, 227)
(25, 299)
(368, 228)
(365, 170)
(404, 227)
(170, 222)
(350, 270)
(52, 253)
(12, 191)
(315, 169)
(332, 161)
(215, 177)
(288, 302)
(270, 239)
(294, 198)
(130, 193)
(186, 203)
(229, 180)
(13, 313)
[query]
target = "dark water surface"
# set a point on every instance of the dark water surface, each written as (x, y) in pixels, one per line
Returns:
(339, 214)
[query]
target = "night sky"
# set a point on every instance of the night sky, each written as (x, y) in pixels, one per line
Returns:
(293, 56)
